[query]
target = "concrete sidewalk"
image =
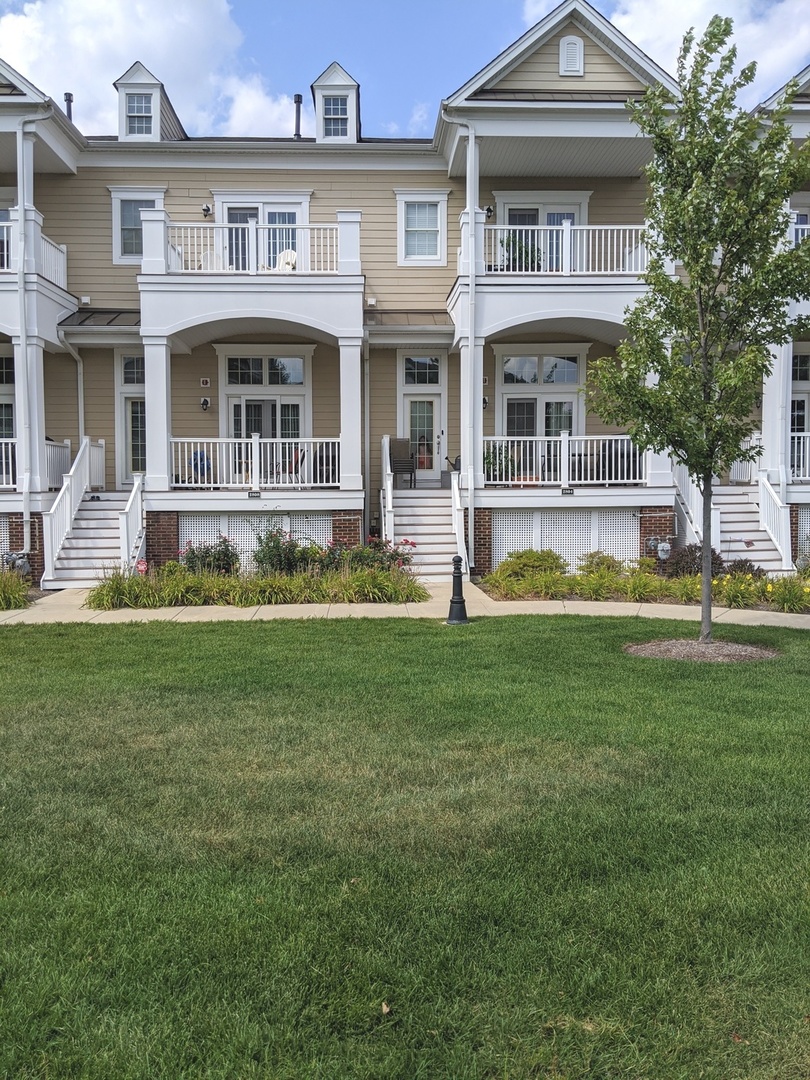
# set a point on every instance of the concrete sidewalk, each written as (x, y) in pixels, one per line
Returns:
(67, 607)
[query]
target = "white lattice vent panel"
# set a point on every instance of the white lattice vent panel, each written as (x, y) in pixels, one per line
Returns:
(512, 530)
(5, 542)
(803, 517)
(619, 533)
(568, 532)
(243, 529)
(571, 533)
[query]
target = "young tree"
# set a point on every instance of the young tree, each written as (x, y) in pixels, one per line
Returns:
(699, 341)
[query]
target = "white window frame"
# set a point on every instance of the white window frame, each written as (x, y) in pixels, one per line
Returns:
(340, 116)
(127, 90)
(135, 114)
(572, 55)
(542, 201)
(284, 200)
(439, 196)
(336, 90)
(8, 390)
(298, 392)
(540, 391)
(122, 392)
(125, 194)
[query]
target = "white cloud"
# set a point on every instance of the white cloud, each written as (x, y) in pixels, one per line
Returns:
(776, 33)
(419, 120)
(190, 45)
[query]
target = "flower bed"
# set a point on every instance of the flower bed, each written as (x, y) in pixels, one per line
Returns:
(542, 575)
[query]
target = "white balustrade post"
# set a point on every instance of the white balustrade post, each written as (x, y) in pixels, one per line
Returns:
(480, 219)
(253, 246)
(565, 459)
(255, 461)
(33, 241)
(776, 393)
(349, 241)
(157, 392)
(658, 469)
(566, 242)
(351, 417)
(155, 241)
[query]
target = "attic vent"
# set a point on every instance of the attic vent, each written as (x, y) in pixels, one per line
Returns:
(572, 56)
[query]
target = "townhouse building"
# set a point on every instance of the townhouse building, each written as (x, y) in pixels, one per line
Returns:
(342, 334)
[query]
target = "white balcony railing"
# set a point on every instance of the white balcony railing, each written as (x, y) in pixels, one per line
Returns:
(563, 460)
(252, 249)
(8, 464)
(774, 517)
(800, 232)
(57, 462)
(255, 463)
(800, 456)
(565, 250)
(5, 245)
(53, 261)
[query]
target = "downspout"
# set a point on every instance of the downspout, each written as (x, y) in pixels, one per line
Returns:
(366, 433)
(23, 327)
(60, 333)
(471, 325)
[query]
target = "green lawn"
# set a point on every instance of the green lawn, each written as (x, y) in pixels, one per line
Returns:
(396, 849)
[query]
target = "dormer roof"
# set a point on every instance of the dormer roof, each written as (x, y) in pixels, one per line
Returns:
(138, 79)
(331, 89)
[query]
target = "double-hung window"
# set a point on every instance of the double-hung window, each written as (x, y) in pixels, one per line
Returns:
(139, 114)
(421, 227)
(127, 203)
(335, 116)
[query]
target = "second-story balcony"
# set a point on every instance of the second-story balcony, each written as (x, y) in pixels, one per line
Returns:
(565, 250)
(251, 249)
(43, 256)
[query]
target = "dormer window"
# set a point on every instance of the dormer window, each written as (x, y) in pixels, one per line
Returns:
(139, 114)
(572, 56)
(335, 117)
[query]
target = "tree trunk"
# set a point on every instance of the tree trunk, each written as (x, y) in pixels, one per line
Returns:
(706, 565)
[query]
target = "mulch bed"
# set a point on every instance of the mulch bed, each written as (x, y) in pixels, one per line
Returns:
(715, 652)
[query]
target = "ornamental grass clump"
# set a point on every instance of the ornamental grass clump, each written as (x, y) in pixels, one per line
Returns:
(790, 594)
(736, 590)
(13, 591)
(640, 586)
(599, 585)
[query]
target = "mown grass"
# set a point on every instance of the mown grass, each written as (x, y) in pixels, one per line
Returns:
(396, 849)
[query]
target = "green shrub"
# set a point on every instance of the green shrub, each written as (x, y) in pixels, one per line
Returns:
(219, 558)
(518, 563)
(744, 568)
(600, 585)
(598, 560)
(686, 589)
(687, 561)
(736, 590)
(13, 591)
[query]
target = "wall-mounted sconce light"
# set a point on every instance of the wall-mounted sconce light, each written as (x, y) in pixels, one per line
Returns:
(489, 212)
(486, 402)
(206, 210)
(205, 404)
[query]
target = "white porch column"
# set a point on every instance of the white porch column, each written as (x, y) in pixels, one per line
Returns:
(472, 409)
(349, 241)
(351, 417)
(30, 413)
(158, 396)
(154, 223)
(775, 458)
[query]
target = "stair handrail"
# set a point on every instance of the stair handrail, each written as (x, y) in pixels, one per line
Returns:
(131, 526)
(58, 521)
(692, 500)
(774, 518)
(387, 491)
(458, 519)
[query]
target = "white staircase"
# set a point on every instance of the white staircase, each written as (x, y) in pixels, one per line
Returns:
(425, 517)
(93, 545)
(740, 534)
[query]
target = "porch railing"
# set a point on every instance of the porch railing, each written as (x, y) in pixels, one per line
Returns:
(8, 464)
(57, 522)
(387, 490)
(774, 517)
(131, 525)
(57, 462)
(53, 261)
(800, 232)
(563, 460)
(800, 457)
(565, 250)
(255, 463)
(252, 249)
(5, 246)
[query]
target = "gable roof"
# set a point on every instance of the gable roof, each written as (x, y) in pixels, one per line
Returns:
(587, 20)
(15, 86)
(802, 95)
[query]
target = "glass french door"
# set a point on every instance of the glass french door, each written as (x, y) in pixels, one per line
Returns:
(282, 239)
(135, 446)
(269, 418)
(425, 433)
(555, 219)
(238, 254)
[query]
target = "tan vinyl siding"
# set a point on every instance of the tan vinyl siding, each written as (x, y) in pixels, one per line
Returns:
(188, 419)
(541, 71)
(61, 396)
(99, 403)
(78, 212)
(383, 394)
(326, 393)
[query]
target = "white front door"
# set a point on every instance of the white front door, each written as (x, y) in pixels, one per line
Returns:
(423, 428)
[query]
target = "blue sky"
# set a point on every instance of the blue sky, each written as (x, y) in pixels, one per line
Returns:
(231, 67)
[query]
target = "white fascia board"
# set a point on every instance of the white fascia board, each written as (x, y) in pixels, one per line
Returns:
(162, 156)
(802, 79)
(103, 337)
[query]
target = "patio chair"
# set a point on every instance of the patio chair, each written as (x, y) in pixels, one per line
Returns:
(402, 463)
(286, 260)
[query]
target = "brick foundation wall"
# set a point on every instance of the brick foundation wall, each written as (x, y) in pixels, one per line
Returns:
(36, 555)
(347, 527)
(162, 536)
(794, 530)
(482, 540)
(654, 521)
